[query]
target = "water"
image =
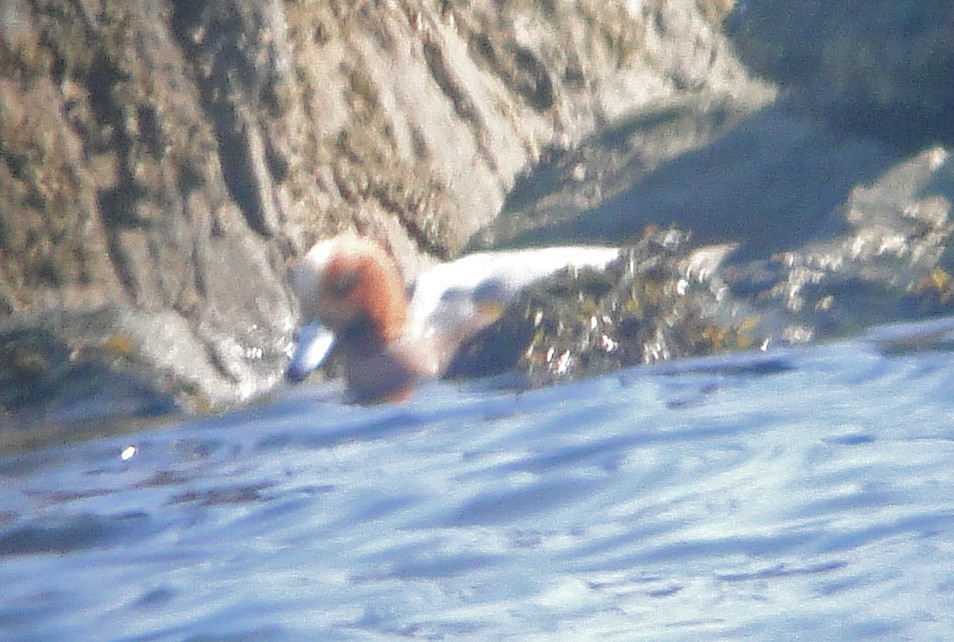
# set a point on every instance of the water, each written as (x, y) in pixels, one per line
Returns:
(804, 494)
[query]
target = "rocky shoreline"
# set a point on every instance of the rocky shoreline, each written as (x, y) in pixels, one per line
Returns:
(162, 162)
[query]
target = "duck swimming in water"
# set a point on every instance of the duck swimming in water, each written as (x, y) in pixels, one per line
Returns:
(352, 295)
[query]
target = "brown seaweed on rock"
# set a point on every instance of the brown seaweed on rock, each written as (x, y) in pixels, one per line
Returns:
(658, 301)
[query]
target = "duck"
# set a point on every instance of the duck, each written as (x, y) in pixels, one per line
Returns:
(391, 335)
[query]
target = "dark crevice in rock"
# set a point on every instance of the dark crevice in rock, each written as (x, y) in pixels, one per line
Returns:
(429, 243)
(532, 81)
(411, 210)
(232, 136)
(520, 69)
(219, 362)
(149, 132)
(210, 38)
(116, 204)
(278, 165)
(444, 75)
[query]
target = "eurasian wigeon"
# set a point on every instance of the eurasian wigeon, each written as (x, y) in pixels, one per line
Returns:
(351, 294)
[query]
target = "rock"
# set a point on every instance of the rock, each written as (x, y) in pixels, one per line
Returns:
(891, 261)
(661, 300)
(163, 160)
(833, 253)
(882, 67)
(116, 197)
(52, 390)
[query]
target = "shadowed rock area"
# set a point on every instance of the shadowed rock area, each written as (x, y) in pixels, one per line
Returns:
(838, 193)
(162, 161)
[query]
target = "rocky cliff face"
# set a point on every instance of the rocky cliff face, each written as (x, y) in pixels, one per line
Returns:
(162, 160)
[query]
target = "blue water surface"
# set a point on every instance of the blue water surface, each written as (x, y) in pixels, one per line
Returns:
(795, 494)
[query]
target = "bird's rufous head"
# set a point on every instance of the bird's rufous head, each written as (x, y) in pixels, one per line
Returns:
(352, 286)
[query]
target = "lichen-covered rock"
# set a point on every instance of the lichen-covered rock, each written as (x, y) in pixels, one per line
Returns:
(162, 160)
(115, 195)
